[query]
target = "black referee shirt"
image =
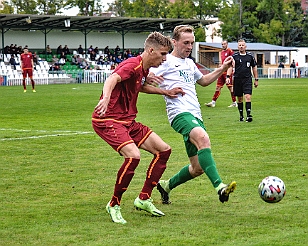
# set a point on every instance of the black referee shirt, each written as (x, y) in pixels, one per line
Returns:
(243, 65)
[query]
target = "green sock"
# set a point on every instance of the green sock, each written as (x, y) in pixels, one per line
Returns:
(181, 177)
(208, 165)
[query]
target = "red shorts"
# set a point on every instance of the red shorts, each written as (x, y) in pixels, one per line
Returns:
(222, 80)
(28, 71)
(120, 133)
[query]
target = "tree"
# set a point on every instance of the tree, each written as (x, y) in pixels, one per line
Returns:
(24, 7)
(49, 7)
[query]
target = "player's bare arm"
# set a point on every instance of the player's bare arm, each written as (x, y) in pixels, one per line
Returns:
(211, 77)
(109, 85)
(255, 74)
(173, 93)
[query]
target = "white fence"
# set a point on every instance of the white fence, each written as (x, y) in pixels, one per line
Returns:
(282, 73)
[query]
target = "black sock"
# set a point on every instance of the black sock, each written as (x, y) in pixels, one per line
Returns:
(248, 108)
(240, 108)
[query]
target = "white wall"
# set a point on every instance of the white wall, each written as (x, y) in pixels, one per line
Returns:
(36, 39)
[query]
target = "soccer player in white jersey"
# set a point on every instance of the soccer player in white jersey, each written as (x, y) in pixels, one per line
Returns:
(184, 113)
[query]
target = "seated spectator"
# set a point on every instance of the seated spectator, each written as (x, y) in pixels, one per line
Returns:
(90, 49)
(80, 49)
(35, 58)
(48, 50)
(106, 50)
(13, 61)
(100, 60)
(84, 64)
(74, 60)
(92, 55)
(63, 56)
(96, 50)
(59, 50)
(79, 60)
(118, 59)
(117, 50)
(66, 50)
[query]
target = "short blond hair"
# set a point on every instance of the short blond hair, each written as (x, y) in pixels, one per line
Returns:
(156, 39)
(181, 28)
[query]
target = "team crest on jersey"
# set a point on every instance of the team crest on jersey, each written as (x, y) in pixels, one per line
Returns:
(142, 80)
(248, 64)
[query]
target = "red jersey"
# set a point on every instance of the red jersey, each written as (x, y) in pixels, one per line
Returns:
(225, 53)
(26, 60)
(123, 101)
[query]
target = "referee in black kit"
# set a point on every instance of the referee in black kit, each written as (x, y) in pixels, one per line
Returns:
(242, 81)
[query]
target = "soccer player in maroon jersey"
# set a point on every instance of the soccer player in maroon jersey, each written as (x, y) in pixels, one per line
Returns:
(114, 121)
(226, 52)
(26, 63)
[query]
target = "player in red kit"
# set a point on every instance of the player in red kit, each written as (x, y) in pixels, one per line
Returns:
(114, 121)
(226, 52)
(26, 63)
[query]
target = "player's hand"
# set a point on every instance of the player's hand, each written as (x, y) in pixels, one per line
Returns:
(174, 93)
(256, 84)
(228, 62)
(228, 81)
(101, 107)
(154, 80)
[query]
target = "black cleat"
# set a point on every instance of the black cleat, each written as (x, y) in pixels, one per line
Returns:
(249, 118)
(225, 191)
(161, 187)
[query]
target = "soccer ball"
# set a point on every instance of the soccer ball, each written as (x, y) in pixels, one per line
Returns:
(272, 189)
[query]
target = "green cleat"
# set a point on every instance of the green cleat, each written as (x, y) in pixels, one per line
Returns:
(115, 214)
(163, 188)
(147, 206)
(225, 191)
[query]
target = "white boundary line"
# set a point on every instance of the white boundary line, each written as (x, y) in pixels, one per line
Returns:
(57, 133)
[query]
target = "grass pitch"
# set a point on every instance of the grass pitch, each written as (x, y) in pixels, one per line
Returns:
(57, 175)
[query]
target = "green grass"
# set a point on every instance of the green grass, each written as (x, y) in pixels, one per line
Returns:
(57, 175)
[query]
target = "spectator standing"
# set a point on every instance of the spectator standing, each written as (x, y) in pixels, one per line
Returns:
(80, 49)
(106, 50)
(66, 50)
(293, 68)
(48, 50)
(26, 63)
(59, 50)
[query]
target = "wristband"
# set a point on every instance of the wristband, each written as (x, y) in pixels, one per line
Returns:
(228, 76)
(256, 79)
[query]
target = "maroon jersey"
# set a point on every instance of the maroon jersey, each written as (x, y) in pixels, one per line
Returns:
(224, 54)
(26, 60)
(123, 101)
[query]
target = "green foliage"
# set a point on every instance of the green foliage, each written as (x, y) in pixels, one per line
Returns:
(57, 175)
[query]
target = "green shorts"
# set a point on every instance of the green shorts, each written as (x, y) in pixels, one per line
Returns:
(183, 123)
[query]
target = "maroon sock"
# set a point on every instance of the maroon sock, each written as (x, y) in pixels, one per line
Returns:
(216, 95)
(124, 176)
(24, 84)
(154, 173)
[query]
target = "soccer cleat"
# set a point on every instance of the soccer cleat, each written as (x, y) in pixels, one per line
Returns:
(233, 105)
(225, 191)
(25, 90)
(162, 188)
(147, 206)
(115, 214)
(34, 90)
(211, 104)
(249, 118)
(241, 118)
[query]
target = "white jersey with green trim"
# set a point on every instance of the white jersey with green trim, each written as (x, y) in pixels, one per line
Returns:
(178, 72)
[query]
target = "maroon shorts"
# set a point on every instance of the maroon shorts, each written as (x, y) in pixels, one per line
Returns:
(222, 80)
(120, 133)
(28, 71)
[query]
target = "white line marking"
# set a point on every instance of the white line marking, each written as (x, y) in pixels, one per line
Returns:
(57, 133)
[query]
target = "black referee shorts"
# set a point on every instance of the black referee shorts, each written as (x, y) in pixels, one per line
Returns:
(242, 86)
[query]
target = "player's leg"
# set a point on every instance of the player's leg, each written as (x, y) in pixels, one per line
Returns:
(200, 138)
(233, 98)
(131, 155)
(247, 90)
(238, 92)
(24, 76)
(30, 74)
(220, 83)
(151, 142)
